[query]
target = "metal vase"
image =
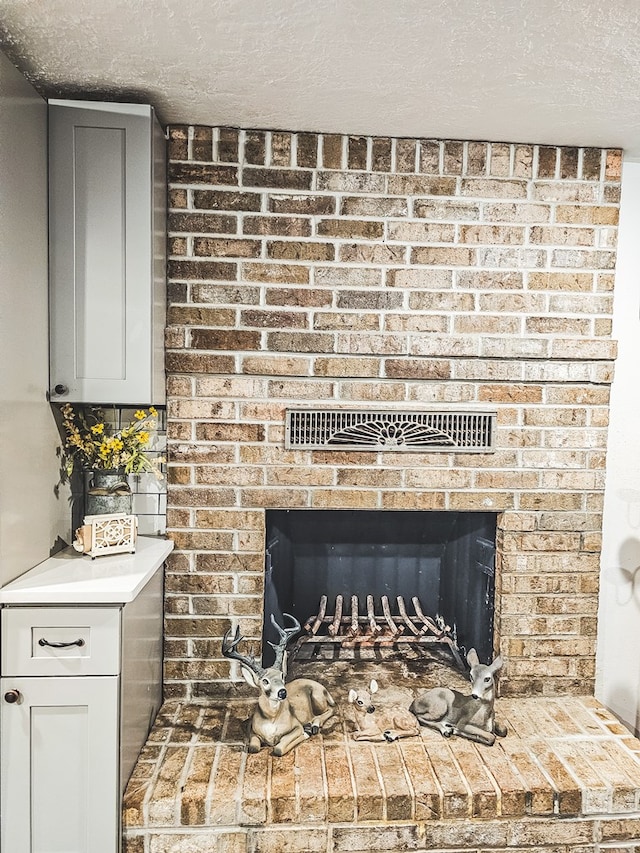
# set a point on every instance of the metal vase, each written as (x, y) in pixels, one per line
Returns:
(109, 492)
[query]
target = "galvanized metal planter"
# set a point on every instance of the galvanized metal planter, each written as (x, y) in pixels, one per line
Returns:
(109, 493)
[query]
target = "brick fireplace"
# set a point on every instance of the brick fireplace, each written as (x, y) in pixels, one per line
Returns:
(333, 271)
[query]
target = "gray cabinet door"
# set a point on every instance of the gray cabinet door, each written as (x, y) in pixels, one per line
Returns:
(59, 788)
(105, 290)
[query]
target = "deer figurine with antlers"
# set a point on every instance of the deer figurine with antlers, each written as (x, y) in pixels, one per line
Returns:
(453, 713)
(284, 715)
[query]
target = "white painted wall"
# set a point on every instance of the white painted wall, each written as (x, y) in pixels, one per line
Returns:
(618, 658)
(31, 517)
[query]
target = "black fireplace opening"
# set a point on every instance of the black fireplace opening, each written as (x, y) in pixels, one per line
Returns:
(445, 559)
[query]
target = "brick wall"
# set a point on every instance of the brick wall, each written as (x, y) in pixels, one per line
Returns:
(328, 270)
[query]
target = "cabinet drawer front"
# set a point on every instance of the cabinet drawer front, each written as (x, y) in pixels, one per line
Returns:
(60, 641)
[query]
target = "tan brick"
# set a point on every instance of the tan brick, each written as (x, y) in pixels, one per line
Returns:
(357, 152)
(200, 316)
(307, 150)
(225, 200)
(582, 282)
(332, 151)
(299, 251)
(420, 278)
(350, 228)
(406, 155)
(422, 232)
(565, 191)
(524, 212)
(413, 500)
(303, 298)
(613, 169)
(200, 173)
(451, 211)
(182, 362)
(369, 795)
(476, 158)
(443, 256)
(202, 223)
(430, 151)
(381, 154)
(373, 206)
(352, 276)
(294, 179)
(493, 188)
(303, 389)
(223, 339)
(340, 367)
(178, 143)
(228, 144)
(311, 205)
(325, 321)
(280, 149)
(372, 253)
(587, 214)
(421, 185)
(281, 273)
(345, 498)
(413, 368)
(416, 323)
(350, 182)
(491, 234)
(202, 270)
(300, 342)
(563, 236)
(177, 198)
(489, 279)
(280, 226)
(274, 319)
(276, 365)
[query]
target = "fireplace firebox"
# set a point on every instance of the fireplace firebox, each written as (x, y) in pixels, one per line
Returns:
(445, 560)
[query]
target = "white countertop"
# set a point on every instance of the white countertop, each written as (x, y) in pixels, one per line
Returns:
(71, 578)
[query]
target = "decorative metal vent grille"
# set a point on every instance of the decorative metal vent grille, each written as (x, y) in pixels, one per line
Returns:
(315, 429)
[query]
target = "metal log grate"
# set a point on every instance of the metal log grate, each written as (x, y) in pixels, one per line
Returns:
(447, 431)
(367, 627)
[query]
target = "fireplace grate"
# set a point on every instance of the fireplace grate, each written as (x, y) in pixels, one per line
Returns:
(372, 629)
(349, 429)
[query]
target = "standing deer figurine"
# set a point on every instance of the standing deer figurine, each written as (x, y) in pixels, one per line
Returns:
(453, 713)
(284, 715)
(389, 725)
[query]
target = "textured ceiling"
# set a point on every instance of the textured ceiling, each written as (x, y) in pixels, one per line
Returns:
(548, 71)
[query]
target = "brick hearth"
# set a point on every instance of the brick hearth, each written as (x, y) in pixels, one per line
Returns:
(567, 777)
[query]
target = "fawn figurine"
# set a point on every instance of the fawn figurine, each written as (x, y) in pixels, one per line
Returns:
(285, 714)
(454, 713)
(388, 725)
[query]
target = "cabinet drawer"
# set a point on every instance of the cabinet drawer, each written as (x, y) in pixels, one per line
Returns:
(60, 641)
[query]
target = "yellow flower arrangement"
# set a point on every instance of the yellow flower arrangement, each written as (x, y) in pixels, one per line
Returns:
(89, 444)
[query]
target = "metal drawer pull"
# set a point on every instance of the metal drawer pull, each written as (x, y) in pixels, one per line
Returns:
(43, 642)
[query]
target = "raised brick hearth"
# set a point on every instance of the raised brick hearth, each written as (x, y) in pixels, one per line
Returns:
(566, 778)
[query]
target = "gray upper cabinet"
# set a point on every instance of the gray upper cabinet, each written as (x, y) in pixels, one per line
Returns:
(107, 223)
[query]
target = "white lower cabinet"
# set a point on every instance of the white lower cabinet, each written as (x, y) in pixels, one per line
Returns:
(80, 686)
(61, 792)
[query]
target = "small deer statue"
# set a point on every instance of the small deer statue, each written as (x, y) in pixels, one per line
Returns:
(284, 715)
(453, 713)
(390, 725)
